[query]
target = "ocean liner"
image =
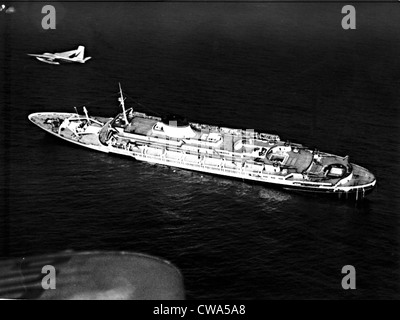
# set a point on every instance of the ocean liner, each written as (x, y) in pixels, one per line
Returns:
(242, 154)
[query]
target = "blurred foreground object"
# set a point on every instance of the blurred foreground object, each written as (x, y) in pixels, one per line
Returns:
(93, 275)
(8, 10)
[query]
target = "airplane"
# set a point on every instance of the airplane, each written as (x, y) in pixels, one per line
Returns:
(67, 56)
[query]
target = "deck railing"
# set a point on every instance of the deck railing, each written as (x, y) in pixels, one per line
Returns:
(240, 171)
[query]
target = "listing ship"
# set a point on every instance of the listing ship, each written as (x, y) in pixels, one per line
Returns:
(242, 154)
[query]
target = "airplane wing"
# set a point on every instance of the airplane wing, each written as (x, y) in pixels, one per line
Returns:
(50, 61)
(44, 58)
(37, 55)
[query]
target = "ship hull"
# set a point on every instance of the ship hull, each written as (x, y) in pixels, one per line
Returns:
(351, 195)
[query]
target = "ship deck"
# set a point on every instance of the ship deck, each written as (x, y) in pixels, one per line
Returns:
(299, 160)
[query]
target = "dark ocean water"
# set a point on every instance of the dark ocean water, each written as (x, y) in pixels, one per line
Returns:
(282, 68)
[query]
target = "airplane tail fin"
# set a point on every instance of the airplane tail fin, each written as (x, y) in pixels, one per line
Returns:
(80, 52)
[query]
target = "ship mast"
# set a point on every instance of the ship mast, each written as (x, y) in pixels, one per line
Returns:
(121, 100)
(86, 113)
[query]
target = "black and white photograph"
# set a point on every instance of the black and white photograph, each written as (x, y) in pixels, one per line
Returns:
(199, 151)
